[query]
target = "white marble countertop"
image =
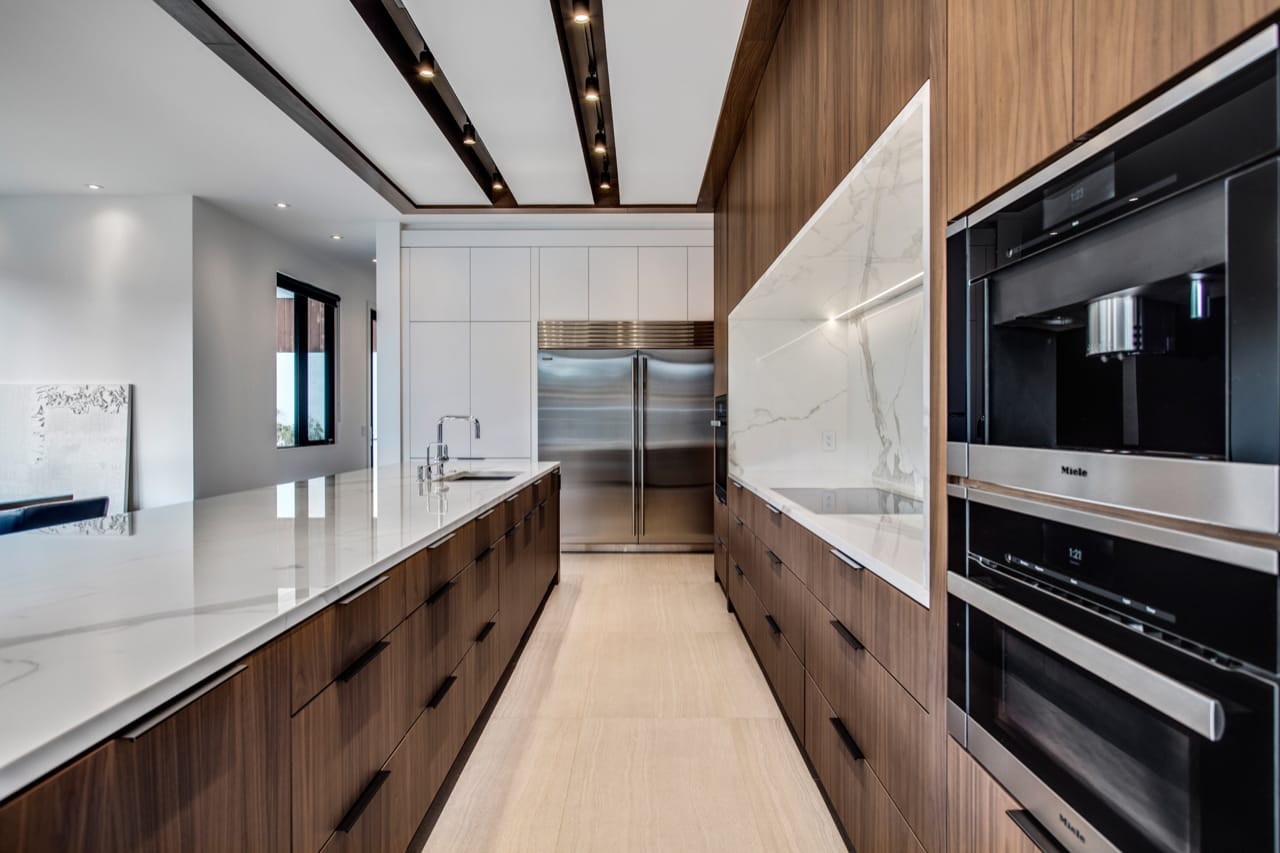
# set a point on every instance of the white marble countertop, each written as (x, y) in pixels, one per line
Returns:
(892, 546)
(97, 629)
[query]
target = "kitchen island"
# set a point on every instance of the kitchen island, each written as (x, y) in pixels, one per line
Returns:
(239, 670)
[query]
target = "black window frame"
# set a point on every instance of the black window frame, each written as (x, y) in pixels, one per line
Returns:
(301, 347)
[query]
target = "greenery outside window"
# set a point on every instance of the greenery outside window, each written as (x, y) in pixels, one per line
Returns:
(306, 347)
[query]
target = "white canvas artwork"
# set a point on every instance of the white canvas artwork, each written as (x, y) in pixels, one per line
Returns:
(65, 439)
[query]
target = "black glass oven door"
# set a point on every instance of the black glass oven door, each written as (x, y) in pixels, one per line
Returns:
(1142, 780)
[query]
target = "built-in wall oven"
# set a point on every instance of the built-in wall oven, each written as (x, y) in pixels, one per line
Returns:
(1118, 678)
(1122, 314)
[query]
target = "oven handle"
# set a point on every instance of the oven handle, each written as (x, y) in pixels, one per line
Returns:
(1200, 713)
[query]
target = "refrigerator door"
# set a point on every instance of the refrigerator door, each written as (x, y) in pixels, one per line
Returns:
(586, 421)
(677, 392)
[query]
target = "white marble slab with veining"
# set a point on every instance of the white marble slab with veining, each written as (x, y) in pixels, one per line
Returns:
(891, 546)
(96, 631)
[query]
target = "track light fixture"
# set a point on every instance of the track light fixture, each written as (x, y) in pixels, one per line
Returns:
(426, 65)
(606, 181)
(498, 186)
(468, 133)
(593, 84)
(601, 145)
(581, 11)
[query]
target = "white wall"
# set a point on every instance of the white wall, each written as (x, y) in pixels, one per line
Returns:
(98, 289)
(472, 299)
(235, 266)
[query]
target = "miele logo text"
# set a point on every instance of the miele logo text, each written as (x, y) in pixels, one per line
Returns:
(1074, 472)
(1071, 828)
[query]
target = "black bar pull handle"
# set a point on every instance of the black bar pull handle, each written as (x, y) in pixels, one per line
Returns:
(737, 521)
(773, 558)
(370, 791)
(847, 635)
(847, 739)
(485, 554)
(1035, 833)
(363, 661)
(773, 624)
(442, 692)
(484, 632)
(847, 560)
(737, 569)
(441, 592)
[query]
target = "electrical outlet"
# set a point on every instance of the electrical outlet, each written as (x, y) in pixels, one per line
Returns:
(828, 501)
(829, 441)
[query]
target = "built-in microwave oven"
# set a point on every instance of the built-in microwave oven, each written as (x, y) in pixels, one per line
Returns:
(1120, 314)
(1119, 679)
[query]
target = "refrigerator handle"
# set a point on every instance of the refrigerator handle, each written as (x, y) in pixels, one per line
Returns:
(640, 445)
(635, 357)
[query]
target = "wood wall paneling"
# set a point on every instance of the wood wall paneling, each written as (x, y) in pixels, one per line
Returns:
(1009, 83)
(1125, 50)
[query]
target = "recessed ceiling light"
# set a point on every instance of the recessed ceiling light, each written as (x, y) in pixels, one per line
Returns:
(282, 204)
(468, 134)
(94, 186)
(336, 237)
(426, 65)
(581, 11)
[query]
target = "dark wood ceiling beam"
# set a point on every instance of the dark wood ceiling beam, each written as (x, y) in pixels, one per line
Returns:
(573, 51)
(395, 30)
(755, 46)
(211, 31)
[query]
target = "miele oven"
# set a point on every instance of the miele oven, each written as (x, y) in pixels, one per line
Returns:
(1122, 313)
(1118, 679)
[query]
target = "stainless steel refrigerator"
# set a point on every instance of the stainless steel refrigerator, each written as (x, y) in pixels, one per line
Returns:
(632, 430)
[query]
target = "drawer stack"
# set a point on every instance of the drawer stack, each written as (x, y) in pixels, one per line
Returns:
(848, 657)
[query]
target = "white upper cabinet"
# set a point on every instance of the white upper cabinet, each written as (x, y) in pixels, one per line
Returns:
(500, 284)
(440, 377)
(664, 283)
(701, 283)
(501, 389)
(613, 274)
(562, 283)
(439, 284)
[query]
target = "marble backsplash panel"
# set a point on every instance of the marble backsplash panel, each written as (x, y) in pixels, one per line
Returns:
(832, 340)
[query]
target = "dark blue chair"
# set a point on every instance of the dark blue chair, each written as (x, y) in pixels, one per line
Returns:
(47, 515)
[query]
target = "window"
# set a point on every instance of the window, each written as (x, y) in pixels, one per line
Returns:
(306, 343)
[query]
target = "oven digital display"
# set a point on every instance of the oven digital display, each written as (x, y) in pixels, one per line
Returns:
(1078, 552)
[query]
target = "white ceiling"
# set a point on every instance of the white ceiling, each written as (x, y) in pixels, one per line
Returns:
(502, 58)
(115, 92)
(325, 51)
(669, 62)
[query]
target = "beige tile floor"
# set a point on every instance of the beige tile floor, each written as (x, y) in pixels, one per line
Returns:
(636, 720)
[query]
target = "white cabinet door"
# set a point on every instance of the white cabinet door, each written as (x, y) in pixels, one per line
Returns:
(440, 384)
(501, 361)
(612, 276)
(562, 283)
(702, 286)
(500, 284)
(439, 284)
(664, 283)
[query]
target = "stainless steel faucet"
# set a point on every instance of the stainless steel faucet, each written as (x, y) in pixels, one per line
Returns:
(438, 451)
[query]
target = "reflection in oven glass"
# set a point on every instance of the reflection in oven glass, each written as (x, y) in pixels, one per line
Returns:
(1128, 757)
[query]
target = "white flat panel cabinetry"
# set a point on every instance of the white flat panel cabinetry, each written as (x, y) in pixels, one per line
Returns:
(701, 283)
(562, 283)
(613, 275)
(440, 376)
(664, 282)
(439, 284)
(500, 284)
(500, 389)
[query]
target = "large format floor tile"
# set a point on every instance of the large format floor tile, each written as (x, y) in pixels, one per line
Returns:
(636, 720)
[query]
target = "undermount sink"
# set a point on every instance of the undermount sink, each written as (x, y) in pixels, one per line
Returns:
(853, 501)
(480, 475)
